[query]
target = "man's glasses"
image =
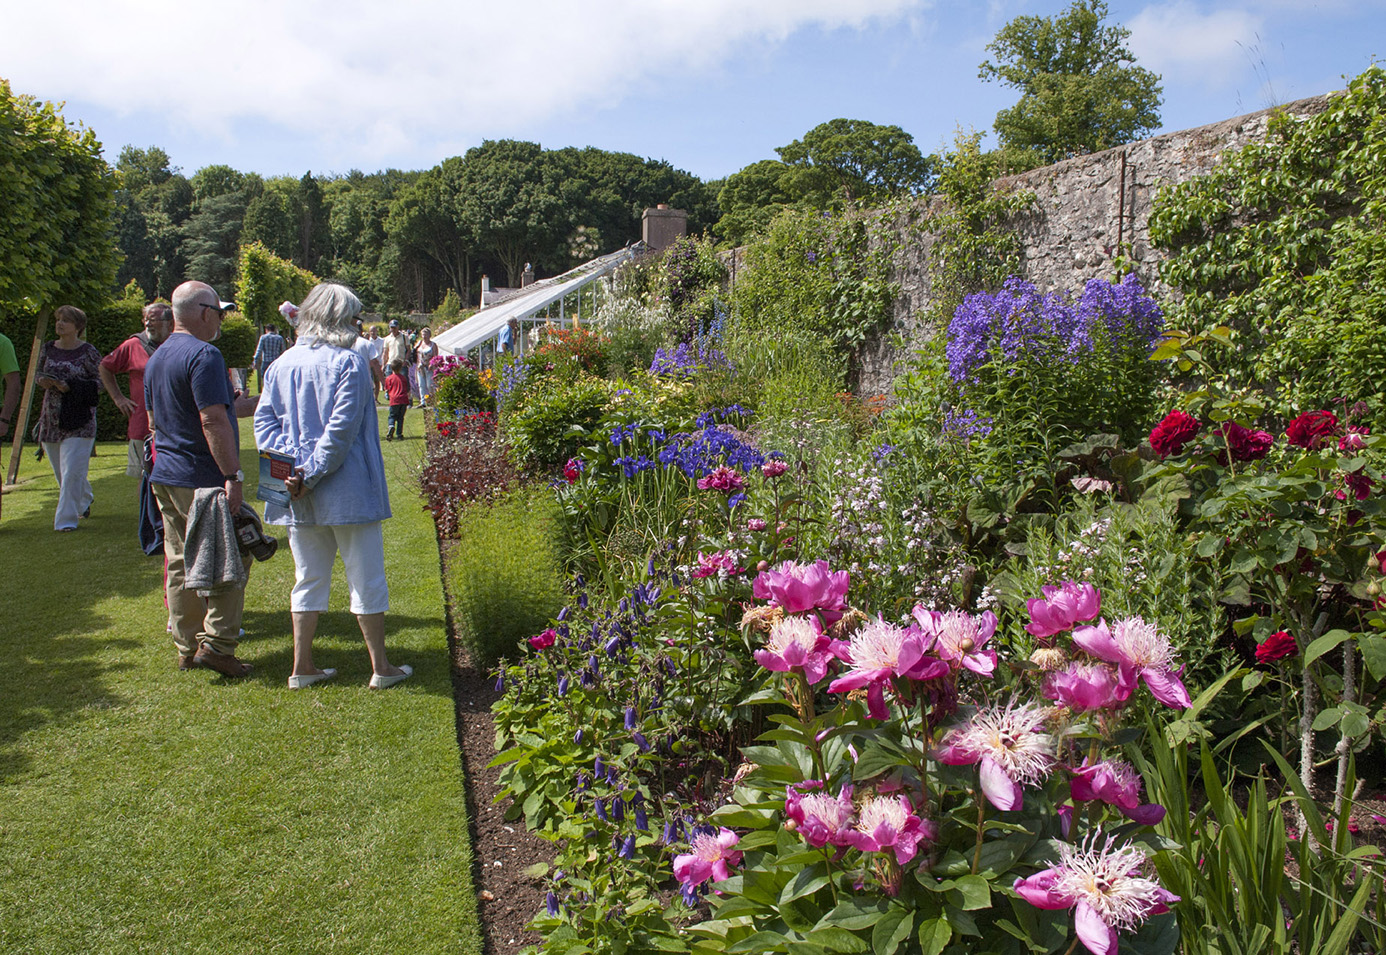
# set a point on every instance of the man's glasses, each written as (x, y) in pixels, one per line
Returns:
(221, 312)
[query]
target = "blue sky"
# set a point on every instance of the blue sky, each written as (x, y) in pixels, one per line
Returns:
(281, 86)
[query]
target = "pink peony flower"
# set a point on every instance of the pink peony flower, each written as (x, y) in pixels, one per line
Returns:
(1117, 784)
(1140, 651)
(724, 479)
(1105, 886)
(1277, 646)
(712, 856)
(889, 822)
(880, 651)
(821, 819)
(711, 565)
(797, 645)
(1062, 607)
(1312, 429)
(1174, 431)
(542, 641)
(798, 588)
(1010, 746)
(773, 469)
(959, 637)
(1354, 439)
(1086, 686)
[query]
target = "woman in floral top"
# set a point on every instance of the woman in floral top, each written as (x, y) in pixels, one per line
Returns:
(69, 374)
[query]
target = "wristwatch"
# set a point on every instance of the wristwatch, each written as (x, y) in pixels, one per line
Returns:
(238, 477)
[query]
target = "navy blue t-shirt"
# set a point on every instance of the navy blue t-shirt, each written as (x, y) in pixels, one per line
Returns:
(183, 377)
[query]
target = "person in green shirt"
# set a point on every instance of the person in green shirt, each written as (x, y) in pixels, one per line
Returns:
(9, 374)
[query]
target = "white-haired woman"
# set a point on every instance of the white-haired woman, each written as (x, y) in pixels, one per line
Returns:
(318, 408)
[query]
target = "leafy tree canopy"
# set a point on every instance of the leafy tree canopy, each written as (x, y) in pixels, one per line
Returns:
(1080, 88)
(853, 159)
(750, 199)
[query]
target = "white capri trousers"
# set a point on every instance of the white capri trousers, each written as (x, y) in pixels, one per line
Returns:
(70, 458)
(315, 549)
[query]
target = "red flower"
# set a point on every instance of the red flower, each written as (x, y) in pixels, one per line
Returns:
(1276, 647)
(1312, 429)
(1381, 561)
(1173, 432)
(1359, 484)
(572, 470)
(1353, 440)
(1245, 444)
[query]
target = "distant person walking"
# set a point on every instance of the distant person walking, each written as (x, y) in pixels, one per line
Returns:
(68, 373)
(317, 408)
(397, 387)
(425, 352)
(270, 347)
(9, 378)
(369, 348)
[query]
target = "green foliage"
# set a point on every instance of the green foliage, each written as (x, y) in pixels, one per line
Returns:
(1081, 91)
(264, 280)
(854, 160)
(152, 204)
(56, 209)
(237, 342)
(540, 431)
(461, 390)
(450, 308)
(690, 280)
(750, 199)
(503, 574)
(823, 274)
(1284, 244)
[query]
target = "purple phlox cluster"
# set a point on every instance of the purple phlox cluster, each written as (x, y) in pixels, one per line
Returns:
(966, 424)
(1011, 747)
(799, 588)
(1140, 652)
(1106, 885)
(797, 644)
(1018, 322)
(712, 856)
(881, 452)
(1116, 783)
(879, 652)
(686, 360)
(960, 638)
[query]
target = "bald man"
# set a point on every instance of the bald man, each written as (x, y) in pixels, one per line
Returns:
(193, 411)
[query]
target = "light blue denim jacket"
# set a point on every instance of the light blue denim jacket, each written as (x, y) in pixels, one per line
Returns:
(318, 406)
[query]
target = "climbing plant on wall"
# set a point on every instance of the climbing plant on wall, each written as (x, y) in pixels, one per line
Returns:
(1285, 243)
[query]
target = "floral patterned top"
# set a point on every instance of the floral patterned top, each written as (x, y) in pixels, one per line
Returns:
(66, 364)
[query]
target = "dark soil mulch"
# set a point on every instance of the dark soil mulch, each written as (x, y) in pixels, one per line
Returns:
(501, 850)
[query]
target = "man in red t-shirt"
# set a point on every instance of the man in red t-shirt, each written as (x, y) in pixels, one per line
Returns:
(129, 358)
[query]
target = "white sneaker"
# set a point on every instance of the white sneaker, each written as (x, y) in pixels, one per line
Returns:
(380, 681)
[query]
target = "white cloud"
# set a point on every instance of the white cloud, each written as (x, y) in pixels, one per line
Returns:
(388, 73)
(1183, 43)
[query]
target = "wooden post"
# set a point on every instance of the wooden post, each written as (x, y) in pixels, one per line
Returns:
(26, 402)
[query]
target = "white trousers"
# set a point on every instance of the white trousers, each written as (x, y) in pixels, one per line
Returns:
(70, 459)
(315, 549)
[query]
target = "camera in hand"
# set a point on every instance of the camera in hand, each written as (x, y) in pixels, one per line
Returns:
(250, 534)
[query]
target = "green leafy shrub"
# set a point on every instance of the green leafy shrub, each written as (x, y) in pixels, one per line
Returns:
(503, 573)
(237, 342)
(540, 431)
(457, 387)
(263, 281)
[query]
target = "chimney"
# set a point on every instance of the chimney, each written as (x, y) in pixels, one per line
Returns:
(527, 276)
(485, 289)
(660, 226)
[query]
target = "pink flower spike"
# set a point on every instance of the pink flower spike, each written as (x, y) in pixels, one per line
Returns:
(821, 819)
(959, 637)
(1140, 651)
(713, 854)
(889, 822)
(1062, 607)
(798, 588)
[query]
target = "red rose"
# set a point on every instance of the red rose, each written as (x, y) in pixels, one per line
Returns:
(1312, 428)
(1276, 647)
(1173, 432)
(1359, 484)
(1245, 444)
(1381, 560)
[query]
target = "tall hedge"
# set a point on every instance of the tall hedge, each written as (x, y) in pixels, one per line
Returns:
(264, 281)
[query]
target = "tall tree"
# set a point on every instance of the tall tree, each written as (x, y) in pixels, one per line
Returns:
(153, 202)
(511, 201)
(749, 199)
(1080, 88)
(428, 232)
(212, 235)
(854, 159)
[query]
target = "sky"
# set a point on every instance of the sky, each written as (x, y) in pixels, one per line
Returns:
(284, 86)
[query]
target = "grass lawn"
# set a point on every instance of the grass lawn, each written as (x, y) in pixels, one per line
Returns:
(147, 810)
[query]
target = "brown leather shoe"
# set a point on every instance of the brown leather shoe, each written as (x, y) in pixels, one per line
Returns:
(187, 661)
(224, 663)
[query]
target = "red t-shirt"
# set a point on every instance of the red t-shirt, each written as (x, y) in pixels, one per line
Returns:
(130, 358)
(397, 387)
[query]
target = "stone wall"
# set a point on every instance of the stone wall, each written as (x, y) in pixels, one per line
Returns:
(1084, 209)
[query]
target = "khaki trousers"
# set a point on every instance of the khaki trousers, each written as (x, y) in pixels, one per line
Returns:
(214, 621)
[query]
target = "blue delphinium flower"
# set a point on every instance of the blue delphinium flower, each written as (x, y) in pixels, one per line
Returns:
(631, 722)
(551, 902)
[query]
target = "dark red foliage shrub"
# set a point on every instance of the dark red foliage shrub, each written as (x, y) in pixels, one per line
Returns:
(465, 464)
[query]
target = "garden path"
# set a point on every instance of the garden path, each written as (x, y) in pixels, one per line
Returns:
(147, 810)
